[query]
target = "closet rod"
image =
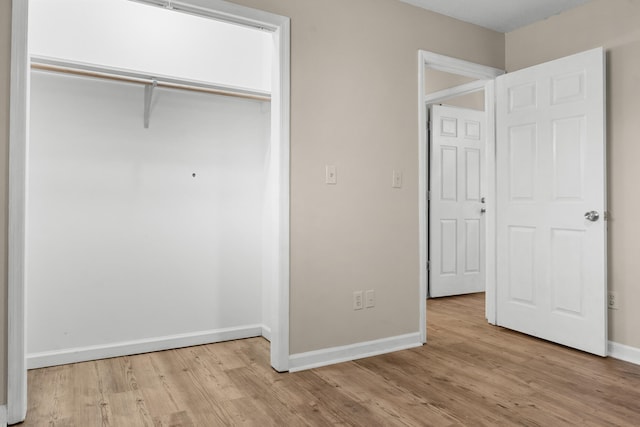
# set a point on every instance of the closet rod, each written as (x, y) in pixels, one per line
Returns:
(146, 81)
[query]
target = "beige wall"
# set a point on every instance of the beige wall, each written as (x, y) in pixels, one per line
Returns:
(354, 96)
(614, 24)
(5, 55)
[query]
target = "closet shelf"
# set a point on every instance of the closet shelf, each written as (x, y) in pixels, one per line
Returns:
(150, 82)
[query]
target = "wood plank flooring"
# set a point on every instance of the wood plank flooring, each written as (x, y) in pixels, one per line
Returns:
(469, 374)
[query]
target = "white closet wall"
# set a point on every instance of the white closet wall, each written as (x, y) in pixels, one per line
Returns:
(125, 244)
(130, 35)
(144, 239)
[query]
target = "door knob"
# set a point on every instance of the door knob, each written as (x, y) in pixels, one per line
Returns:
(592, 216)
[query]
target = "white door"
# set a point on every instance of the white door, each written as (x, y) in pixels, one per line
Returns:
(456, 242)
(551, 233)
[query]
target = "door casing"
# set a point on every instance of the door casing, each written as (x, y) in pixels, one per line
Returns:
(485, 81)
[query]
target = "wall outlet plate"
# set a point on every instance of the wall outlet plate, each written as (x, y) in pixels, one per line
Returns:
(612, 300)
(370, 298)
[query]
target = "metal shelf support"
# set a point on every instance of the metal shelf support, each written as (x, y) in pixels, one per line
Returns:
(148, 97)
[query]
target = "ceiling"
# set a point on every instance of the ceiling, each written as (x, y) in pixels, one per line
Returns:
(499, 15)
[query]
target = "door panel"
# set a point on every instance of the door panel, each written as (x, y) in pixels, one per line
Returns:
(551, 260)
(472, 167)
(472, 246)
(456, 224)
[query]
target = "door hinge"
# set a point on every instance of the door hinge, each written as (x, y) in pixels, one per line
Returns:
(429, 265)
(428, 195)
(429, 125)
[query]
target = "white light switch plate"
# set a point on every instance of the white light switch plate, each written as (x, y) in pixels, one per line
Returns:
(397, 179)
(331, 174)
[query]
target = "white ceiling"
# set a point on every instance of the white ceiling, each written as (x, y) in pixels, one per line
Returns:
(498, 15)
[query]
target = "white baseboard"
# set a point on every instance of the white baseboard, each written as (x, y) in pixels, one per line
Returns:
(624, 352)
(83, 354)
(266, 332)
(329, 356)
(3, 416)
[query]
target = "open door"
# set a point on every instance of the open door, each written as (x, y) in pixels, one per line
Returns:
(456, 206)
(551, 202)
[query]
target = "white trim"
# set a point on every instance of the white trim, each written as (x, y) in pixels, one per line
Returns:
(280, 131)
(624, 352)
(18, 137)
(458, 66)
(18, 140)
(223, 11)
(423, 191)
(486, 75)
(490, 194)
(467, 88)
(96, 352)
(3, 416)
(329, 356)
(266, 333)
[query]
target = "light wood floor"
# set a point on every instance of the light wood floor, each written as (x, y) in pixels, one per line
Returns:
(470, 373)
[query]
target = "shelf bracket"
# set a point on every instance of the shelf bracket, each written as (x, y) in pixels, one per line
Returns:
(148, 97)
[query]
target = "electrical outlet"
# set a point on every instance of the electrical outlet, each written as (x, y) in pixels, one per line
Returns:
(357, 300)
(370, 298)
(612, 301)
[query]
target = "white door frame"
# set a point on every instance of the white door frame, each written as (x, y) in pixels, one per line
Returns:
(486, 81)
(18, 166)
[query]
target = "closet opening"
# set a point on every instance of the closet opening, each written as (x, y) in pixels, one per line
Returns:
(151, 196)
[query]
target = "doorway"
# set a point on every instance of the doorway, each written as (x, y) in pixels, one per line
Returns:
(546, 256)
(457, 203)
(474, 85)
(277, 274)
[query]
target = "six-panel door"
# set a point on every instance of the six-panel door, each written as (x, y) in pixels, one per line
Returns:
(551, 255)
(457, 230)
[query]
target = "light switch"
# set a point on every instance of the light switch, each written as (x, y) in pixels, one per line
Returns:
(357, 300)
(397, 179)
(331, 174)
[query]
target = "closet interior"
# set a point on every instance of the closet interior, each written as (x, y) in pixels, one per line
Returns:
(150, 181)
